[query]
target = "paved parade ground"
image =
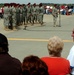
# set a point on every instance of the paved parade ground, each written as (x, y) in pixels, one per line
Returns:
(34, 40)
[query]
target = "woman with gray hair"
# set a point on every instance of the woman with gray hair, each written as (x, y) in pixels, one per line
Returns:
(57, 65)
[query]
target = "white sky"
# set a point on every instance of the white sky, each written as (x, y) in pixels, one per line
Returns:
(37, 1)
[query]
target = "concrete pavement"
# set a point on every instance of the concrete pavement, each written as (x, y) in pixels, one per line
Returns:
(34, 40)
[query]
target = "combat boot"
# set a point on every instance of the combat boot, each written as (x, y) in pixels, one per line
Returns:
(41, 23)
(25, 27)
(24, 23)
(14, 28)
(6, 28)
(32, 23)
(54, 24)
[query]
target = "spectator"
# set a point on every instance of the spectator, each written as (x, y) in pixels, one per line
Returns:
(73, 34)
(57, 65)
(33, 65)
(8, 64)
(71, 57)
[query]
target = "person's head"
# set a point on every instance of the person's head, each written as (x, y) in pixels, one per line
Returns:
(34, 4)
(33, 65)
(55, 46)
(3, 44)
(40, 5)
(29, 4)
(23, 5)
(55, 5)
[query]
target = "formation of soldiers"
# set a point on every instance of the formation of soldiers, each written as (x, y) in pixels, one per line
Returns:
(16, 15)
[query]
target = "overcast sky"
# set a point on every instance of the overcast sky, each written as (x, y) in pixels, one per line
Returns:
(37, 1)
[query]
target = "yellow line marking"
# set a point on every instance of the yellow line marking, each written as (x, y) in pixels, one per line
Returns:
(67, 40)
(25, 39)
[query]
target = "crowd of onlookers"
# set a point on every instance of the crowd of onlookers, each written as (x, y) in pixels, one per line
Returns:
(54, 64)
(64, 9)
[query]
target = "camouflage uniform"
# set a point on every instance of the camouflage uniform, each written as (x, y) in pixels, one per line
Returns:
(14, 17)
(21, 15)
(17, 15)
(55, 15)
(34, 13)
(41, 12)
(6, 17)
(10, 16)
(24, 11)
(29, 13)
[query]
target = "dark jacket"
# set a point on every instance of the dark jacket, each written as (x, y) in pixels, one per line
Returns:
(9, 65)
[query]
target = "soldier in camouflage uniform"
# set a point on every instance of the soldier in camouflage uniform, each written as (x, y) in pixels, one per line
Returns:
(24, 16)
(17, 15)
(29, 13)
(41, 13)
(34, 13)
(21, 14)
(55, 15)
(14, 17)
(24, 10)
(10, 16)
(6, 17)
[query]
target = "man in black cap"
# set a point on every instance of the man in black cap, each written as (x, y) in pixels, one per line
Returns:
(8, 64)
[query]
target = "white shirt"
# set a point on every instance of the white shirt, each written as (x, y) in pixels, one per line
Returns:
(71, 58)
